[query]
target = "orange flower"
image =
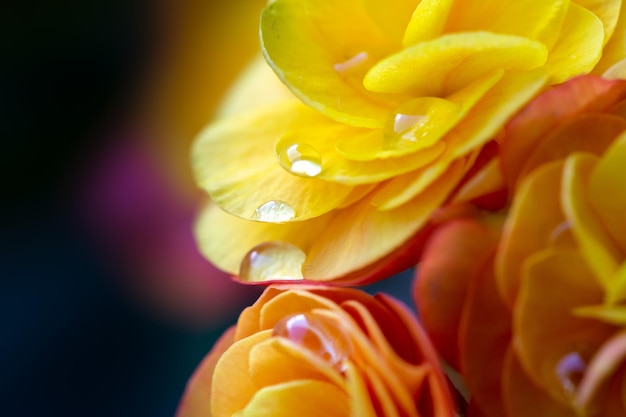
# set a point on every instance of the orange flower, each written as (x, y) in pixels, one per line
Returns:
(311, 351)
(542, 329)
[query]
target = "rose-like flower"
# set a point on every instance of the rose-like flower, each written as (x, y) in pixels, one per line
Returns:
(542, 329)
(316, 351)
(395, 100)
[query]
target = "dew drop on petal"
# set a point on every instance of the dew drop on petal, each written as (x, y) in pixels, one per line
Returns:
(319, 334)
(420, 122)
(274, 211)
(351, 63)
(300, 159)
(569, 371)
(272, 261)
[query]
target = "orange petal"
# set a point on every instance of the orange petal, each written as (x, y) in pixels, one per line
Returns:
(196, 401)
(525, 232)
(441, 285)
(232, 371)
(484, 337)
(304, 398)
(552, 344)
(522, 397)
(527, 129)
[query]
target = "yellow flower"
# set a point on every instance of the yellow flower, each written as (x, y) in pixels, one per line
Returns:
(395, 99)
(542, 330)
(316, 351)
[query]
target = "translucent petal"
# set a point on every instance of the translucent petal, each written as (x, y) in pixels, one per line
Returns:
(607, 191)
(579, 47)
(607, 11)
(451, 62)
(596, 244)
(615, 49)
(322, 56)
(233, 159)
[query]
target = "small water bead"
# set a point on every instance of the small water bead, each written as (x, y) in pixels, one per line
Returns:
(274, 211)
(318, 334)
(351, 63)
(569, 371)
(272, 261)
(300, 159)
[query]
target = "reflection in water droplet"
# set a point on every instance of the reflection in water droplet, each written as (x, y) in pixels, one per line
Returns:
(562, 235)
(569, 371)
(274, 211)
(300, 159)
(275, 260)
(318, 334)
(420, 123)
(351, 63)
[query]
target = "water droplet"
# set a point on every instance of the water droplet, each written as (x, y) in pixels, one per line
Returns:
(319, 334)
(272, 261)
(420, 123)
(569, 371)
(351, 63)
(274, 211)
(300, 159)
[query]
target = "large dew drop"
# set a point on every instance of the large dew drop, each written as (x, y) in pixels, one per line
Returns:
(300, 159)
(272, 261)
(274, 211)
(320, 335)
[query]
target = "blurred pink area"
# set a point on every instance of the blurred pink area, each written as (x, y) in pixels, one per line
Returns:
(138, 196)
(144, 225)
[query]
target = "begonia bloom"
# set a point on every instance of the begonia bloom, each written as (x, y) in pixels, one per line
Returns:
(541, 330)
(391, 105)
(311, 351)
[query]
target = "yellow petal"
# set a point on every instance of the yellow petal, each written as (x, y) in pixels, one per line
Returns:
(427, 21)
(232, 371)
(361, 234)
(432, 116)
(322, 55)
(609, 314)
(541, 20)
(596, 245)
(525, 232)
(579, 47)
(391, 17)
(450, 62)
(607, 191)
(607, 11)
(304, 398)
(225, 239)
(361, 405)
(233, 159)
(403, 188)
(486, 181)
(292, 302)
(615, 49)
(340, 166)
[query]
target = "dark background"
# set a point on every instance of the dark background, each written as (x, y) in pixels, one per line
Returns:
(73, 342)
